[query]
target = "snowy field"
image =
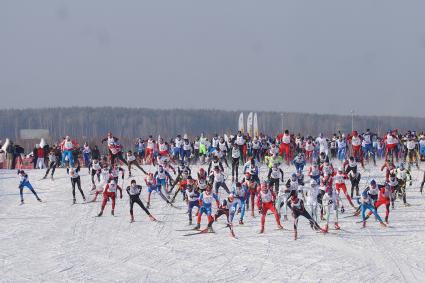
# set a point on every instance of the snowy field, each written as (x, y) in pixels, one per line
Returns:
(55, 241)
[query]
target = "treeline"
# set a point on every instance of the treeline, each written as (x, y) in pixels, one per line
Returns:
(88, 122)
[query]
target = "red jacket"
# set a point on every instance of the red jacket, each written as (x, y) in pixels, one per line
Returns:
(40, 153)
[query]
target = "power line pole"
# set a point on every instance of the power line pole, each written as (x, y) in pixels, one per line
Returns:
(352, 120)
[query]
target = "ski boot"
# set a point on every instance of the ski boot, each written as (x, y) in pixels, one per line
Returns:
(84, 199)
(386, 220)
(51, 178)
(279, 227)
(262, 230)
(197, 227)
(148, 205)
(326, 229)
(364, 224)
(45, 176)
(190, 222)
(22, 202)
(39, 199)
(295, 234)
(131, 218)
(74, 201)
(112, 212)
(210, 229)
(342, 209)
(241, 222)
(383, 224)
(152, 218)
(285, 218)
(337, 226)
(100, 213)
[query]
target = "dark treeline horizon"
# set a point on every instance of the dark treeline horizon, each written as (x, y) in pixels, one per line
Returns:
(93, 122)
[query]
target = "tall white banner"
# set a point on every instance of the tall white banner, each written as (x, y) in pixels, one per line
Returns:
(249, 124)
(241, 126)
(256, 131)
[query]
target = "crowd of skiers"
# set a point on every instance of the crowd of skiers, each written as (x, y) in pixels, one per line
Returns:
(318, 198)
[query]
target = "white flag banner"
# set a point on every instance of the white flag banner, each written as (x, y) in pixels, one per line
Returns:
(249, 124)
(241, 126)
(256, 131)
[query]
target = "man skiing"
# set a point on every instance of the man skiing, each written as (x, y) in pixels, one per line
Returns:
(24, 182)
(134, 191)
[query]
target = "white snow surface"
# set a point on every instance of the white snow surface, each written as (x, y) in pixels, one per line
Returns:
(55, 241)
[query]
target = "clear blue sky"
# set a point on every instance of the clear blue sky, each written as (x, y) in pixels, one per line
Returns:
(310, 56)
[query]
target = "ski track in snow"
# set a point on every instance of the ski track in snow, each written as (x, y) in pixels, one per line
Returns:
(55, 241)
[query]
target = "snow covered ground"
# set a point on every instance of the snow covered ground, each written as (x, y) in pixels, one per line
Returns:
(55, 241)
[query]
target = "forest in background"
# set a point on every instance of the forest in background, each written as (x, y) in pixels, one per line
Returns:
(88, 122)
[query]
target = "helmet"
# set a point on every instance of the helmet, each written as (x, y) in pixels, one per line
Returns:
(401, 166)
(231, 197)
(373, 182)
(340, 169)
(313, 183)
(112, 182)
(294, 176)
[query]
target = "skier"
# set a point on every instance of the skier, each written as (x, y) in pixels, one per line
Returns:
(367, 146)
(161, 176)
(403, 176)
(298, 209)
(384, 198)
(192, 201)
(131, 160)
(217, 177)
(202, 179)
(95, 171)
(86, 154)
(24, 182)
(206, 199)
(228, 207)
(299, 162)
(114, 148)
(314, 172)
(241, 195)
(75, 180)
(355, 181)
(53, 161)
(152, 185)
(114, 172)
(236, 154)
(366, 203)
(342, 148)
(312, 198)
(323, 144)
(285, 146)
(265, 202)
(67, 145)
(274, 176)
(110, 193)
(330, 201)
(104, 178)
(340, 178)
(134, 191)
(356, 145)
(150, 146)
(251, 187)
(412, 152)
